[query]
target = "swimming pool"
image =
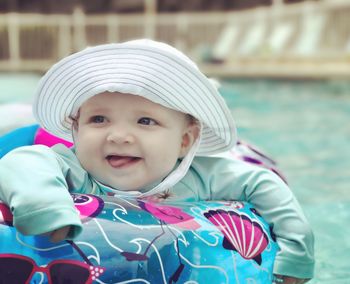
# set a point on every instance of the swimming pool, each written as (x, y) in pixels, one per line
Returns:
(303, 125)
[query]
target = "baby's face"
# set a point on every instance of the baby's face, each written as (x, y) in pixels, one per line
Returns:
(128, 142)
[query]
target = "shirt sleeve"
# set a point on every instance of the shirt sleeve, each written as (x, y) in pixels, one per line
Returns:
(236, 180)
(33, 185)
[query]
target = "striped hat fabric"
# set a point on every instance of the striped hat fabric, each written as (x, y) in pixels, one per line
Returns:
(153, 70)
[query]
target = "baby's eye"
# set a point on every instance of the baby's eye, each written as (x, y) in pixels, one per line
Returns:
(147, 121)
(97, 119)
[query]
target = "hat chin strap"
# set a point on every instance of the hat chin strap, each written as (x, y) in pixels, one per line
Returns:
(177, 174)
(172, 178)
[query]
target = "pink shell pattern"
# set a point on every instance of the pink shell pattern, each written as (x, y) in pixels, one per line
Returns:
(241, 233)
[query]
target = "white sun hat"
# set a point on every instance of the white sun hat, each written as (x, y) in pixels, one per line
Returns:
(153, 70)
(150, 69)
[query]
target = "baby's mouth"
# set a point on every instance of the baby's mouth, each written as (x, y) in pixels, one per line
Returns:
(121, 161)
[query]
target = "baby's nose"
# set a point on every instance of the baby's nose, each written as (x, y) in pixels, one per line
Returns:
(120, 137)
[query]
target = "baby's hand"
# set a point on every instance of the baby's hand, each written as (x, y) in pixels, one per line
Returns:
(59, 234)
(282, 279)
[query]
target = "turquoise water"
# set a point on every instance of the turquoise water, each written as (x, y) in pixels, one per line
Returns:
(17, 88)
(303, 125)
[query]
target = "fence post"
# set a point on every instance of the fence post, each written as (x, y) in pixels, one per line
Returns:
(181, 31)
(79, 34)
(64, 37)
(112, 28)
(14, 41)
(150, 11)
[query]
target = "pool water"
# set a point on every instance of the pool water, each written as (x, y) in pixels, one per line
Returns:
(304, 126)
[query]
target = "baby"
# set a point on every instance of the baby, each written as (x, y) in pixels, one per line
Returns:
(145, 122)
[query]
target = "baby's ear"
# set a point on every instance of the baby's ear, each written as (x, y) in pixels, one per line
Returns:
(74, 120)
(190, 135)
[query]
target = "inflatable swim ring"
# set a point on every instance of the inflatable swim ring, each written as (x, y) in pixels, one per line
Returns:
(140, 241)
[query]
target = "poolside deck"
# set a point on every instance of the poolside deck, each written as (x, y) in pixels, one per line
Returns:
(308, 39)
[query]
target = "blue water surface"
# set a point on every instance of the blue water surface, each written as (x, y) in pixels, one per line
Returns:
(304, 126)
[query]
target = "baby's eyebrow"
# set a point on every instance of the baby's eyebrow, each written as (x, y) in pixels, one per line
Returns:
(95, 110)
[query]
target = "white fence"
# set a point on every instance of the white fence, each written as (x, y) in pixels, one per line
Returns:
(307, 39)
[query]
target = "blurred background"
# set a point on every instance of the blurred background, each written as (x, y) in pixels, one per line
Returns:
(283, 65)
(284, 38)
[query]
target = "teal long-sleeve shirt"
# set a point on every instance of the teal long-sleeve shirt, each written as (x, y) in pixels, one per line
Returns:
(35, 181)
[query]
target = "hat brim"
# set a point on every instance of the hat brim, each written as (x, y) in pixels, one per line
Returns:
(145, 70)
